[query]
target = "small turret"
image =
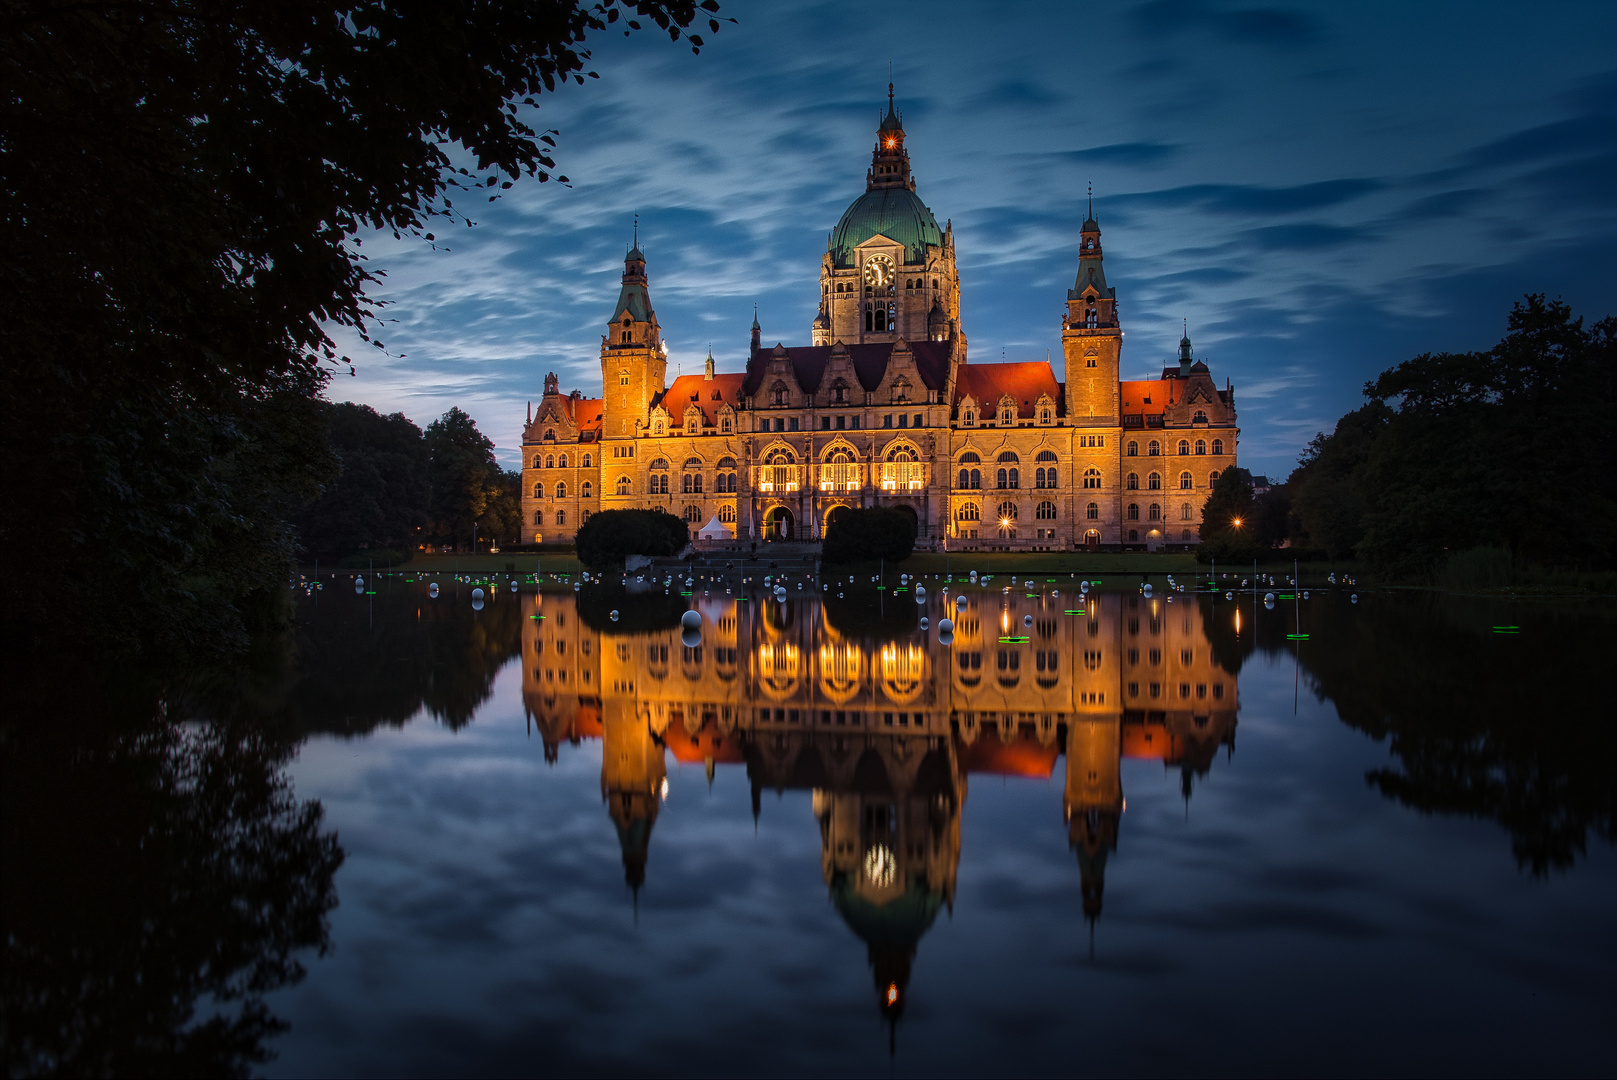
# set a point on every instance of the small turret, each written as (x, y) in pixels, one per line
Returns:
(1186, 354)
(707, 366)
(757, 331)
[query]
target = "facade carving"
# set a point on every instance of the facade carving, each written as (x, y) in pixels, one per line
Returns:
(883, 409)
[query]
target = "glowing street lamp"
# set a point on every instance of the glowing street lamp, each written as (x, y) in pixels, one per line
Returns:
(1236, 522)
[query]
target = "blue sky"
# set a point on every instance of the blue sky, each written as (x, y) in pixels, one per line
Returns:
(1320, 190)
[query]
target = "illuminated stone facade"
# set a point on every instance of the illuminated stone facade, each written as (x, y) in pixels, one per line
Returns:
(883, 409)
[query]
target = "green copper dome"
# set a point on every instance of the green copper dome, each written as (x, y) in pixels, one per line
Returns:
(895, 213)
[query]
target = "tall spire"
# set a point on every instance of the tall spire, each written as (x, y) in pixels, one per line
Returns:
(890, 163)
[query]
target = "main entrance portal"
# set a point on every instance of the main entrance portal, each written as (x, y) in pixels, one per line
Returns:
(778, 524)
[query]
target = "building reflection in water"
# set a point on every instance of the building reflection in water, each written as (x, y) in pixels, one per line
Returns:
(886, 733)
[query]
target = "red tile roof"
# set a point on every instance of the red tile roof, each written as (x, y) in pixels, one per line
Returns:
(1022, 756)
(710, 394)
(1024, 381)
(587, 412)
(1147, 395)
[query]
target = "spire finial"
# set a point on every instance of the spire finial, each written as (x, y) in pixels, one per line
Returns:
(637, 229)
(1091, 200)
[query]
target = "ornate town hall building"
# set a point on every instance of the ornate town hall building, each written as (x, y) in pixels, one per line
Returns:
(883, 409)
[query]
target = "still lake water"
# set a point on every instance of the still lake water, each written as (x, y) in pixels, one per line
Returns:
(1114, 834)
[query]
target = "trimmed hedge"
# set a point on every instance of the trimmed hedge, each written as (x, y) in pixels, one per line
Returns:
(611, 536)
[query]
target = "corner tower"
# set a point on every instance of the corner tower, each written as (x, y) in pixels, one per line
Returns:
(633, 363)
(888, 273)
(1091, 338)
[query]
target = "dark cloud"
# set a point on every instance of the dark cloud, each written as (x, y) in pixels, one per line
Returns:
(1307, 236)
(1443, 204)
(1136, 154)
(1272, 27)
(1256, 199)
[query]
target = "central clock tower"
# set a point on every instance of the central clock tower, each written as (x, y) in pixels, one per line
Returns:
(888, 274)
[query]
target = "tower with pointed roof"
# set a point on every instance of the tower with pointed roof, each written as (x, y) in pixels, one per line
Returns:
(1091, 337)
(633, 363)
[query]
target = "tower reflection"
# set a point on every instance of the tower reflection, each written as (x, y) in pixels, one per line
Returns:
(885, 731)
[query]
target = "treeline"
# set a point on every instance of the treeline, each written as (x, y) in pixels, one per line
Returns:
(397, 486)
(1505, 457)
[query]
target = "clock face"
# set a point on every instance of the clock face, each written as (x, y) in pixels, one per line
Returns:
(879, 271)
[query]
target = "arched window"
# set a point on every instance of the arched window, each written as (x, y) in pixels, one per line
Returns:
(693, 514)
(1134, 512)
(1153, 449)
(623, 377)
(1155, 512)
(561, 491)
(1046, 511)
(624, 485)
(902, 471)
(1046, 455)
(1218, 446)
(659, 463)
(1133, 482)
(969, 417)
(969, 458)
(659, 483)
(840, 471)
(726, 463)
(1007, 511)
(538, 462)
(538, 517)
(538, 491)
(1044, 416)
(584, 489)
(1091, 478)
(1184, 446)
(1185, 483)
(777, 394)
(693, 424)
(727, 514)
(900, 391)
(1201, 446)
(779, 473)
(1185, 515)
(561, 517)
(1187, 536)
(968, 512)
(839, 391)
(1004, 479)
(724, 424)
(550, 434)
(1212, 479)
(693, 463)
(965, 479)
(657, 426)
(561, 462)
(1199, 418)
(1154, 482)
(585, 463)
(1132, 449)
(1092, 511)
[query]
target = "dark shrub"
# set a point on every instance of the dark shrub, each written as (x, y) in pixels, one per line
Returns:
(875, 533)
(611, 536)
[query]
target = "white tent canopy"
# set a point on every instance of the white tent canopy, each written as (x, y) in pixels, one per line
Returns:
(716, 530)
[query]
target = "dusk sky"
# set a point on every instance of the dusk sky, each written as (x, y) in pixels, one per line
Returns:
(1320, 191)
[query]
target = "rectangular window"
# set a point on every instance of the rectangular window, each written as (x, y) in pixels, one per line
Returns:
(854, 422)
(917, 420)
(842, 422)
(792, 423)
(887, 421)
(903, 421)
(780, 425)
(825, 423)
